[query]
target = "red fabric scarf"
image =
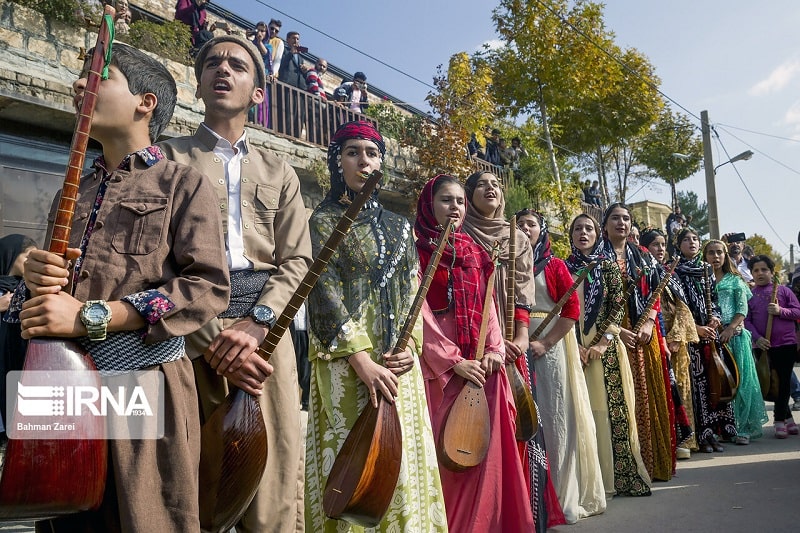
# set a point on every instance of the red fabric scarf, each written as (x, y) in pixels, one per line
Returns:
(460, 279)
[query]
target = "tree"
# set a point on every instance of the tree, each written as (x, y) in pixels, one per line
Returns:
(671, 150)
(557, 64)
(462, 103)
(760, 246)
(696, 213)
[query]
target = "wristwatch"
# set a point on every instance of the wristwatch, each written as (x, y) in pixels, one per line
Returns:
(95, 315)
(264, 315)
(609, 337)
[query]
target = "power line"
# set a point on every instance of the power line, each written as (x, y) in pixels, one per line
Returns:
(353, 48)
(746, 188)
(760, 133)
(760, 152)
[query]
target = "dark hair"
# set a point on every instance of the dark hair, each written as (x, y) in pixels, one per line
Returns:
(529, 211)
(761, 259)
(147, 75)
(276, 22)
(648, 235)
(261, 25)
(682, 234)
(360, 76)
(594, 222)
(289, 35)
(472, 181)
(443, 180)
(613, 206)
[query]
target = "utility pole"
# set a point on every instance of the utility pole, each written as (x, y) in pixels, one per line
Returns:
(711, 188)
(791, 257)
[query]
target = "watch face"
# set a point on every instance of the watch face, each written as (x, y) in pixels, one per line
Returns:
(96, 314)
(263, 314)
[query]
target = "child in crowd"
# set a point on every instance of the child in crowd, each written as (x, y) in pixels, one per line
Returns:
(147, 258)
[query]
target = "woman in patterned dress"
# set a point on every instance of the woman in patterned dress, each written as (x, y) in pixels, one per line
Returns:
(654, 409)
(606, 368)
(710, 420)
(356, 311)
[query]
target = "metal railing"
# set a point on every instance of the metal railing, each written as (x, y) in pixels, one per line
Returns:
(298, 114)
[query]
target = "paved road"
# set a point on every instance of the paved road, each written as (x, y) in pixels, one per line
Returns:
(745, 488)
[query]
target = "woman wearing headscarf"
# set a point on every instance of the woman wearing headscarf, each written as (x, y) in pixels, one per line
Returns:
(732, 296)
(710, 420)
(606, 368)
(485, 223)
(491, 496)
(562, 395)
(356, 312)
(655, 416)
(679, 330)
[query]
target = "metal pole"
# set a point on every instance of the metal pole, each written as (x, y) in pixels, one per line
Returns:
(711, 190)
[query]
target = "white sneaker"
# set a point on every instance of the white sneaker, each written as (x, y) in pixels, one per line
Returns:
(683, 453)
(796, 405)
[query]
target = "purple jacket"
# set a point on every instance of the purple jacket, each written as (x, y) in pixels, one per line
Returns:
(782, 325)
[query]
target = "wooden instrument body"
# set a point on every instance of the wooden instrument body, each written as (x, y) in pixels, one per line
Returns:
(46, 478)
(233, 452)
(723, 375)
(527, 413)
(364, 476)
(464, 440)
(527, 421)
(365, 473)
(235, 437)
(768, 376)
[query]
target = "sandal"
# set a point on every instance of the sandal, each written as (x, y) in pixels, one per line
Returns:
(742, 440)
(791, 427)
(780, 430)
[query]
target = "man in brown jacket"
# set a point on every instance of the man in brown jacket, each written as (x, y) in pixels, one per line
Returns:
(269, 251)
(147, 267)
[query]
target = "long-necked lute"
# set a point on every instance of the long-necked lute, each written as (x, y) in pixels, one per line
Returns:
(45, 478)
(527, 416)
(654, 296)
(364, 475)
(723, 374)
(464, 441)
(556, 310)
(768, 376)
(234, 438)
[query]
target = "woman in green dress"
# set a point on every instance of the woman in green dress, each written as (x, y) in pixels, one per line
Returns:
(733, 294)
(356, 311)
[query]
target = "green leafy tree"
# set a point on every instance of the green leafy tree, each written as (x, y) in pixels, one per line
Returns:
(555, 65)
(462, 103)
(760, 246)
(671, 149)
(694, 211)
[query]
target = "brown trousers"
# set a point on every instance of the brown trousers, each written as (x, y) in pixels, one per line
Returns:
(275, 507)
(152, 484)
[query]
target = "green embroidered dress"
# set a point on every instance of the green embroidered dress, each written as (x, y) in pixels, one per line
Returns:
(360, 304)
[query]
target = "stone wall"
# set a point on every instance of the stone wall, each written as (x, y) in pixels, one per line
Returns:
(40, 62)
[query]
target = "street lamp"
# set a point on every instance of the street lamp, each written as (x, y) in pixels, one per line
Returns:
(744, 156)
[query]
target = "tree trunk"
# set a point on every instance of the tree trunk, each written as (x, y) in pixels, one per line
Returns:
(548, 139)
(601, 176)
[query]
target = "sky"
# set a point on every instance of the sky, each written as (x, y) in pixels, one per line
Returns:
(738, 60)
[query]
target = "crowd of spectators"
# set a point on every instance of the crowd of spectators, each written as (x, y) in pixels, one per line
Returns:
(301, 102)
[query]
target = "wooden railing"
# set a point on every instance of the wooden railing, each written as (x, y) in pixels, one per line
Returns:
(298, 114)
